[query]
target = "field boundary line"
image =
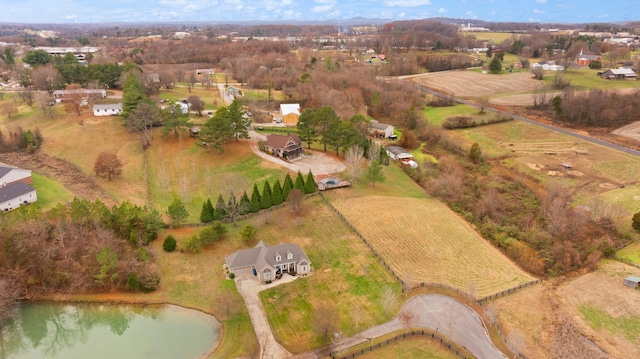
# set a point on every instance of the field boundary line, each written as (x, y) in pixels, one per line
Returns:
(424, 333)
(353, 228)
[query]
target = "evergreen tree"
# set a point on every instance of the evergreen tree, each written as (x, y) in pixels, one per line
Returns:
(495, 66)
(287, 187)
(245, 203)
(299, 184)
(276, 194)
(220, 210)
(384, 157)
(132, 94)
(475, 153)
(636, 222)
(205, 215)
(256, 192)
(310, 184)
(265, 199)
(255, 206)
(176, 212)
(374, 173)
(212, 211)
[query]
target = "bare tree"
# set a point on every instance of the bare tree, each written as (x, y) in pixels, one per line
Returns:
(46, 104)
(451, 322)
(538, 72)
(295, 198)
(408, 318)
(354, 161)
(26, 95)
(357, 313)
(492, 313)
(77, 100)
(46, 78)
(196, 104)
(388, 299)
(8, 297)
(325, 319)
(374, 152)
(142, 119)
(517, 342)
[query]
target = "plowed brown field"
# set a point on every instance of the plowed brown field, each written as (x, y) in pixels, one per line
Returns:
(470, 84)
(424, 241)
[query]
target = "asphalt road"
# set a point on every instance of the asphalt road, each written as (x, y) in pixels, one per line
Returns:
(535, 123)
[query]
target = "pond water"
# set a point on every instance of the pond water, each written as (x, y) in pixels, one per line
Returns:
(78, 330)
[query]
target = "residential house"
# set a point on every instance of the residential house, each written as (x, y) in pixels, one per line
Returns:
(60, 95)
(233, 92)
(290, 113)
(585, 60)
(401, 155)
(619, 74)
(284, 146)
(15, 189)
(205, 72)
(380, 130)
(10, 174)
(107, 110)
(268, 263)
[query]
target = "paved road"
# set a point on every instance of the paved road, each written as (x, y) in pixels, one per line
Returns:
(249, 287)
(532, 122)
(435, 312)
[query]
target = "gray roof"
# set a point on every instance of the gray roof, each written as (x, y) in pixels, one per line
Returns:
(4, 170)
(396, 150)
(14, 190)
(379, 126)
(622, 71)
(111, 106)
(633, 278)
(263, 254)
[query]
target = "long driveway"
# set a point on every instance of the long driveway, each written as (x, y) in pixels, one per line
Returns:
(528, 120)
(436, 312)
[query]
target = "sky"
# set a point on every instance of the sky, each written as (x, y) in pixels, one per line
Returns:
(95, 11)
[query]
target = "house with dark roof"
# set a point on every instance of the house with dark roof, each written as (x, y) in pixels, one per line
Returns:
(380, 130)
(269, 263)
(17, 194)
(284, 146)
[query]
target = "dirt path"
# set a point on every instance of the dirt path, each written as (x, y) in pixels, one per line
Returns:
(80, 184)
(249, 288)
(435, 312)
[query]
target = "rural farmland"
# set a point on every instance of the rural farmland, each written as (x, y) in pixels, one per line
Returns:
(420, 249)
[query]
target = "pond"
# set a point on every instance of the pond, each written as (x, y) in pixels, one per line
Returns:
(79, 330)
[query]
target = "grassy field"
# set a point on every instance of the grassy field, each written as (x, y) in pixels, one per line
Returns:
(585, 79)
(412, 348)
(346, 276)
(630, 253)
(50, 192)
(424, 241)
(437, 115)
(493, 37)
(627, 326)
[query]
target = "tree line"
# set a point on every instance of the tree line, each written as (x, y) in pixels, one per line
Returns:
(82, 247)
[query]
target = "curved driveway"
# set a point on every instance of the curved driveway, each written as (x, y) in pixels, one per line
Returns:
(532, 122)
(436, 312)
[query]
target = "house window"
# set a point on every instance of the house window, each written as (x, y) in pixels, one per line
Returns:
(289, 255)
(284, 267)
(267, 275)
(304, 269)
(278, 258)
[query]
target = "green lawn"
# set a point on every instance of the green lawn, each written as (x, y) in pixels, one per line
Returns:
(347, 278)
(493, 37)
(630, 253)
(409, 348)
(50, 192)
(437, 115)
(628, 326)
(585, 79)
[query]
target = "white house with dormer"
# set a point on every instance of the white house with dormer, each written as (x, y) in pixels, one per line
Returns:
(269, 263)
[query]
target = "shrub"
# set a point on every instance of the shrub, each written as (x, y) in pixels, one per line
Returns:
(193, 244)
(169, 244)
(248, 233)
(231, 275)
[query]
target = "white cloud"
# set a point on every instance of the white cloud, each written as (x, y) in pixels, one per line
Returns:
(533, 20)
(442, 10)
(71, 16)
(407, 3)
(492, 12)
(541, 1)
(536, 11)
(322, 8)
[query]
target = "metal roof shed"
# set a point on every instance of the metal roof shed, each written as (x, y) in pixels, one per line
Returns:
(632, 281)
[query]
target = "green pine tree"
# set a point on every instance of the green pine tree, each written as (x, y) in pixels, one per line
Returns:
(265, 199)
(276, 194)
(310, 184)
(287, 187)
(212, 211)
(205, 215)
(245, 203)
(254, 206)
(176, 212)
(299, 184)
(220, 211)
(375, 173)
